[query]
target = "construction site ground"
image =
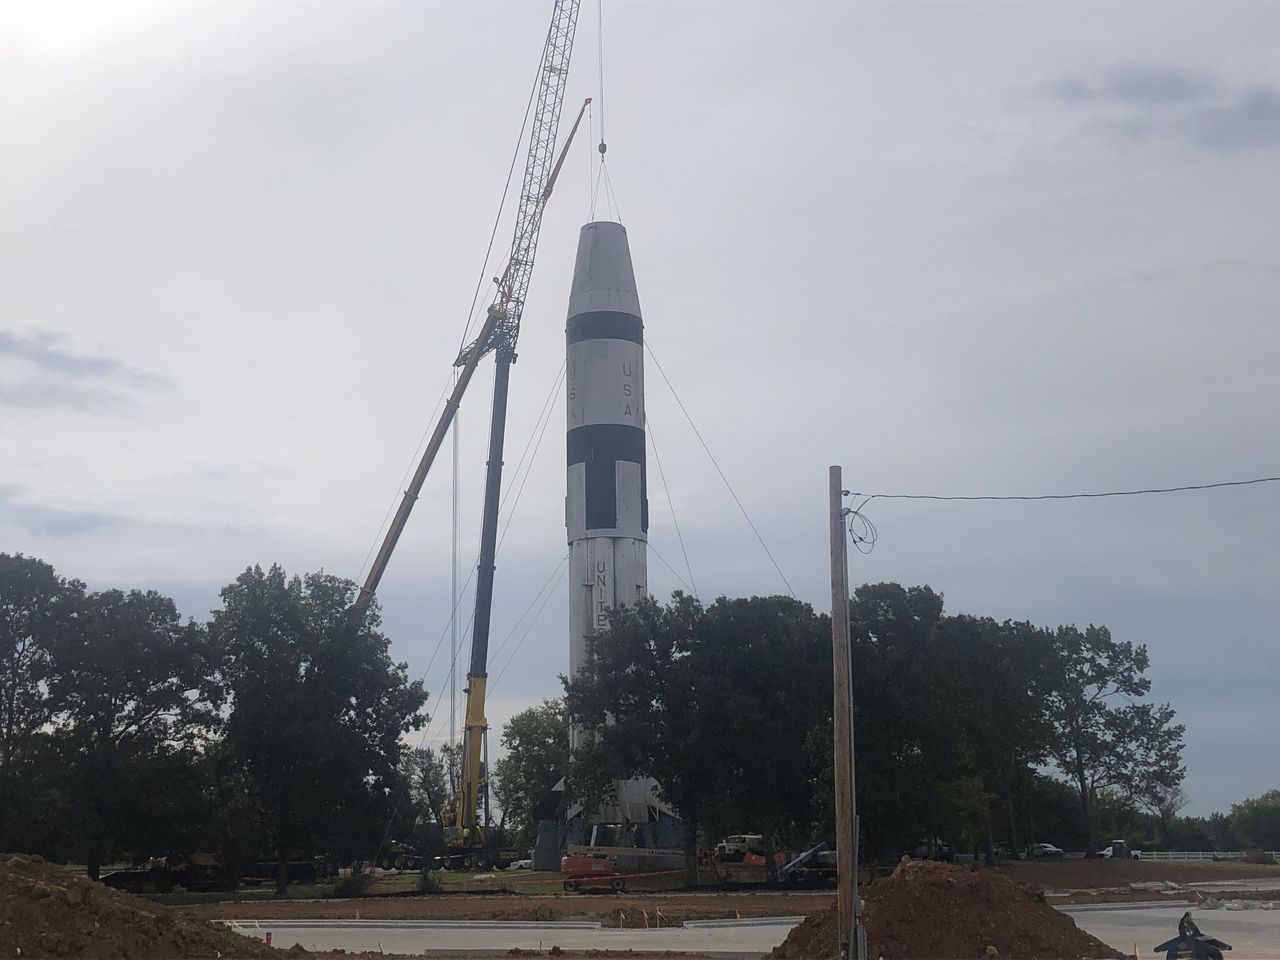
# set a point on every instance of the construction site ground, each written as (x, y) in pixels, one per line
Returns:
(538, 897)
(1092, 874)
(46, 910)
(632, 910)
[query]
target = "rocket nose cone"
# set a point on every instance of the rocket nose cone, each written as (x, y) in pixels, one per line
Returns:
(602, 275)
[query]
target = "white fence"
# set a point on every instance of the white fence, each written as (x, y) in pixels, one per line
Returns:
(1196, 854)
(1183, 855)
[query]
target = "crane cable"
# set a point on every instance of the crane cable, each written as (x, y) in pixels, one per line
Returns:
(692, 584)
(497, 220)
(729, 486)
(602, 177)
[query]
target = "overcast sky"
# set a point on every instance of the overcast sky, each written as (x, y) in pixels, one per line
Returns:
(956, 247)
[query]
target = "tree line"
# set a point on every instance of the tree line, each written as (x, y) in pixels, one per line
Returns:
(272, 731)
(972, 732)
(278, 730)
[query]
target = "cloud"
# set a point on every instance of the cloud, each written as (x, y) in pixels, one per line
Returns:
(65, 377)
(34, 393)
(1137, 101)
(1137, 84)
(38, 519)
(1250, 121)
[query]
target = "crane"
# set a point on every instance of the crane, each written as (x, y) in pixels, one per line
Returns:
(498, 335)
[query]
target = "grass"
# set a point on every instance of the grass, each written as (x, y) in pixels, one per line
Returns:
(297, 891)
(539, 883)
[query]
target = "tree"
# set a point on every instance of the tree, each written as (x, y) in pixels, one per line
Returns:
(1102, 737)
(424, 790)
(1257, 820)
(1163, 801)
(671, 692)
(1223, 831)
(317, 709)
(36, 608)
(766, 657)
(536, 741)
(640, 692)
(127, 684)
(899, 716)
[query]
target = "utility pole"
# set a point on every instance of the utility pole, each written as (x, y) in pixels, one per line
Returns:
(852, 940)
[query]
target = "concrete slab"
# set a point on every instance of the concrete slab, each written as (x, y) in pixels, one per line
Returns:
(726, 938)
(1253, 934)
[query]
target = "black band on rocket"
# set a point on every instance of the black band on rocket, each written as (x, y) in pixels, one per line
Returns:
(600, 446)
(604, 325)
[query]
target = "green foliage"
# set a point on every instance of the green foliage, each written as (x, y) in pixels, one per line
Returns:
(317, 708)
(129, 718)
(949, 718)
(642, 691)
(275, 731)
(37, 609)
(537, 745)
(1222, 830)
(429, 882)
(353, 886)
(953, 718)
(1103, 739)
(1256, 821)
(424, 787)
(694, 676)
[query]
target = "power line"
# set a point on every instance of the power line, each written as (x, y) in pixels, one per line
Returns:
(1068, 496)
(864, 534)
(727, 484)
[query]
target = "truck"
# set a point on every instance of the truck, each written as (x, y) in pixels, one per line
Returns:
(737, 845)
(816, 867)
(1119, 850)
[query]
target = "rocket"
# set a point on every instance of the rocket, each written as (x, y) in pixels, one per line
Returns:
(606, 506)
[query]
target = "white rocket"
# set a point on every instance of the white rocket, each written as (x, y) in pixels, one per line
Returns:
(606, 510)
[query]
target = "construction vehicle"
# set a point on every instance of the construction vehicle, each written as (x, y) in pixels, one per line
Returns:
(735, 847)
(587, 869)
(816, 867)
(465, 832)
(594, 867)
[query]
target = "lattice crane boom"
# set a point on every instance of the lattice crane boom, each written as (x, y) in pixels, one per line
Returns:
(501, 327)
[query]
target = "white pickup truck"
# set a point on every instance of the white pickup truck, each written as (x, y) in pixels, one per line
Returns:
(736, 846)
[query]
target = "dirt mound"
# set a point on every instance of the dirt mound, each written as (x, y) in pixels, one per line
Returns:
(929, 911)
(47, 912)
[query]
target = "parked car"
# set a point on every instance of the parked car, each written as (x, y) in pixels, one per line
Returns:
(1045, 850)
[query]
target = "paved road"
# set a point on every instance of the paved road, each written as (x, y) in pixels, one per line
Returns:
(1253, 934)
(729, 938)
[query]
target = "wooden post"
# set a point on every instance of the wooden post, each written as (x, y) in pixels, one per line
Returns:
(846, 814)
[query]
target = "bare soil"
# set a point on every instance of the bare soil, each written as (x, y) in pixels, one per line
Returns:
(627, 910)
(927, 910)
(47, 912)
(1151, 896)
(1085, 874)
